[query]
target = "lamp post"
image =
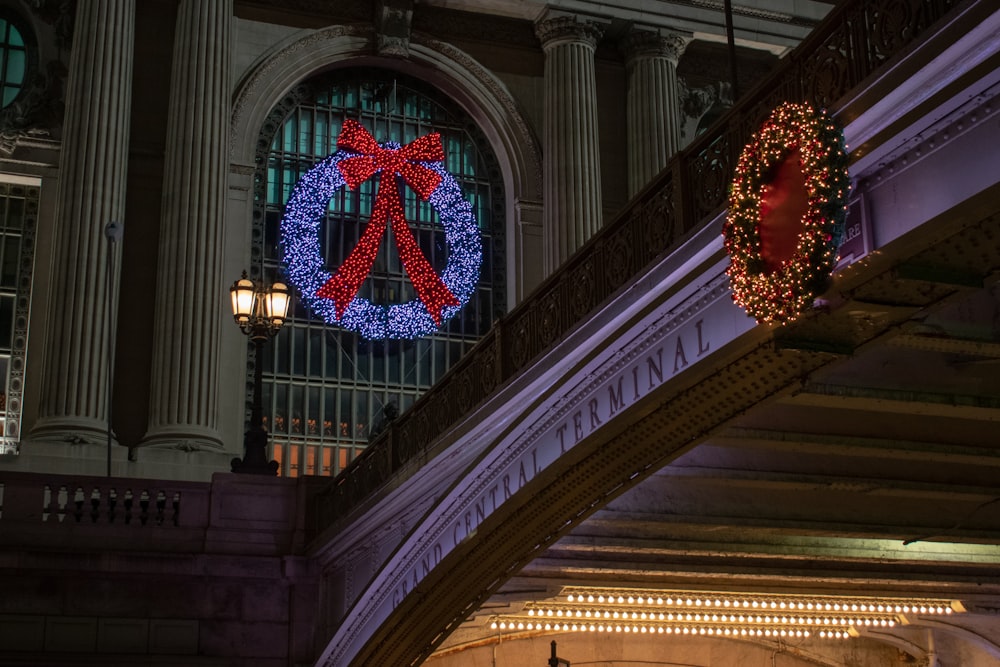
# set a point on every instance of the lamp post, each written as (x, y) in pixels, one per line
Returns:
(556, 661)
(259, 313)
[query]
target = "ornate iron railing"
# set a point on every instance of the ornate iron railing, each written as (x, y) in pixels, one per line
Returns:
(855, 40)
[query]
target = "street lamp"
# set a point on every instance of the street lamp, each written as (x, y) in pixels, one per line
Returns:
(556, 661)
(259, 313)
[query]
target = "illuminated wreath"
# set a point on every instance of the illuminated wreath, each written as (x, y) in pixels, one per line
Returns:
(787, 206)
(334, 297)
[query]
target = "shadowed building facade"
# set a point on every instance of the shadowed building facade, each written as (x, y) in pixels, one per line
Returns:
(598, 425)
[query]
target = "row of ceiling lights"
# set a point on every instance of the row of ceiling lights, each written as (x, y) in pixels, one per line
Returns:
(783, 619)
(728, 615)
(688, 600)
(516, 624)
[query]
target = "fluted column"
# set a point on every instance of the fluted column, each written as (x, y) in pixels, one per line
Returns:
(73, 402)
(571, 176)
(184, 395)
(653, 113)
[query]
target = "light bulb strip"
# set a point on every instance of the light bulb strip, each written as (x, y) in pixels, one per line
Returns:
(520, 624)
(334, 297)
(587, 614)
(784, 293)
(781, 603)
(734, 615)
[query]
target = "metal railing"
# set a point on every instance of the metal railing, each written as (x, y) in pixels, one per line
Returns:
(855, 40)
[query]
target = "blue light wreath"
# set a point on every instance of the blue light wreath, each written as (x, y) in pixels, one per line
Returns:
(304, 263)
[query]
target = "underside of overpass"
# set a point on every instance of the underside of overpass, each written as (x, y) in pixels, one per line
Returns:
(873, 475)
(846, 459)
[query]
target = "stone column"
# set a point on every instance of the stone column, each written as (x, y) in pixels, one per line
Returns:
(654, 116)
(184, 394)
(571, 172)
(82, 316)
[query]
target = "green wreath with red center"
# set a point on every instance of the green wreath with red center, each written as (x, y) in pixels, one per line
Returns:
(787, 206)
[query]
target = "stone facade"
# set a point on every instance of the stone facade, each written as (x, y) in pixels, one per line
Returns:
(616, 265)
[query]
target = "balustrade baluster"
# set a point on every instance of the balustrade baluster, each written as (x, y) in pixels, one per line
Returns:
(177, 509)
(95, 505)
(112, 502)
(128, 506)
(62, 500)
(144, 507)
(161, 504)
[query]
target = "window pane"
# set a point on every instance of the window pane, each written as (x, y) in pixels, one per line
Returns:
(8, 269)
(14, 37)
(6, 321)
(14, 71)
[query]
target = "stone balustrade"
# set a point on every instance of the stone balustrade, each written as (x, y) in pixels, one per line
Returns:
(231, 514)
(118, 571)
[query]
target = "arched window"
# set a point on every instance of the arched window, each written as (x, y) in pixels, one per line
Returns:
(13, 60)
(328, 391)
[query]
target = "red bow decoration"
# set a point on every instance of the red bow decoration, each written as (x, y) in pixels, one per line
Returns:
(388, 207)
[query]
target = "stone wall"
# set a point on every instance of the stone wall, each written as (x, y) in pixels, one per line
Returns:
(128, 572)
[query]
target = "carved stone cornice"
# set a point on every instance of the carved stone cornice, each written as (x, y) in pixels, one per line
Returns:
(567, 29)
(10, 140)
(392, 24)
(643, 44)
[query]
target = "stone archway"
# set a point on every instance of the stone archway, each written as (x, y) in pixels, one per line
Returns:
(481, 94)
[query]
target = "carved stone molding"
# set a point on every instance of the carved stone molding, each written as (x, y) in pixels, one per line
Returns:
(11, 139)
(564, 29)
(361, 39)
(640, 44)
(392, 23)
(242, 169)
(40, 104)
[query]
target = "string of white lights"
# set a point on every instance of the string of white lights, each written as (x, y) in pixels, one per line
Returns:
(717, 614)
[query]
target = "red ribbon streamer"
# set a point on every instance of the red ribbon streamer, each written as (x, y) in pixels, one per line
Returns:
(373, 159)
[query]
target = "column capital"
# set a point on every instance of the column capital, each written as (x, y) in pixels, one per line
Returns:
(553, 30)
(642, 44)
